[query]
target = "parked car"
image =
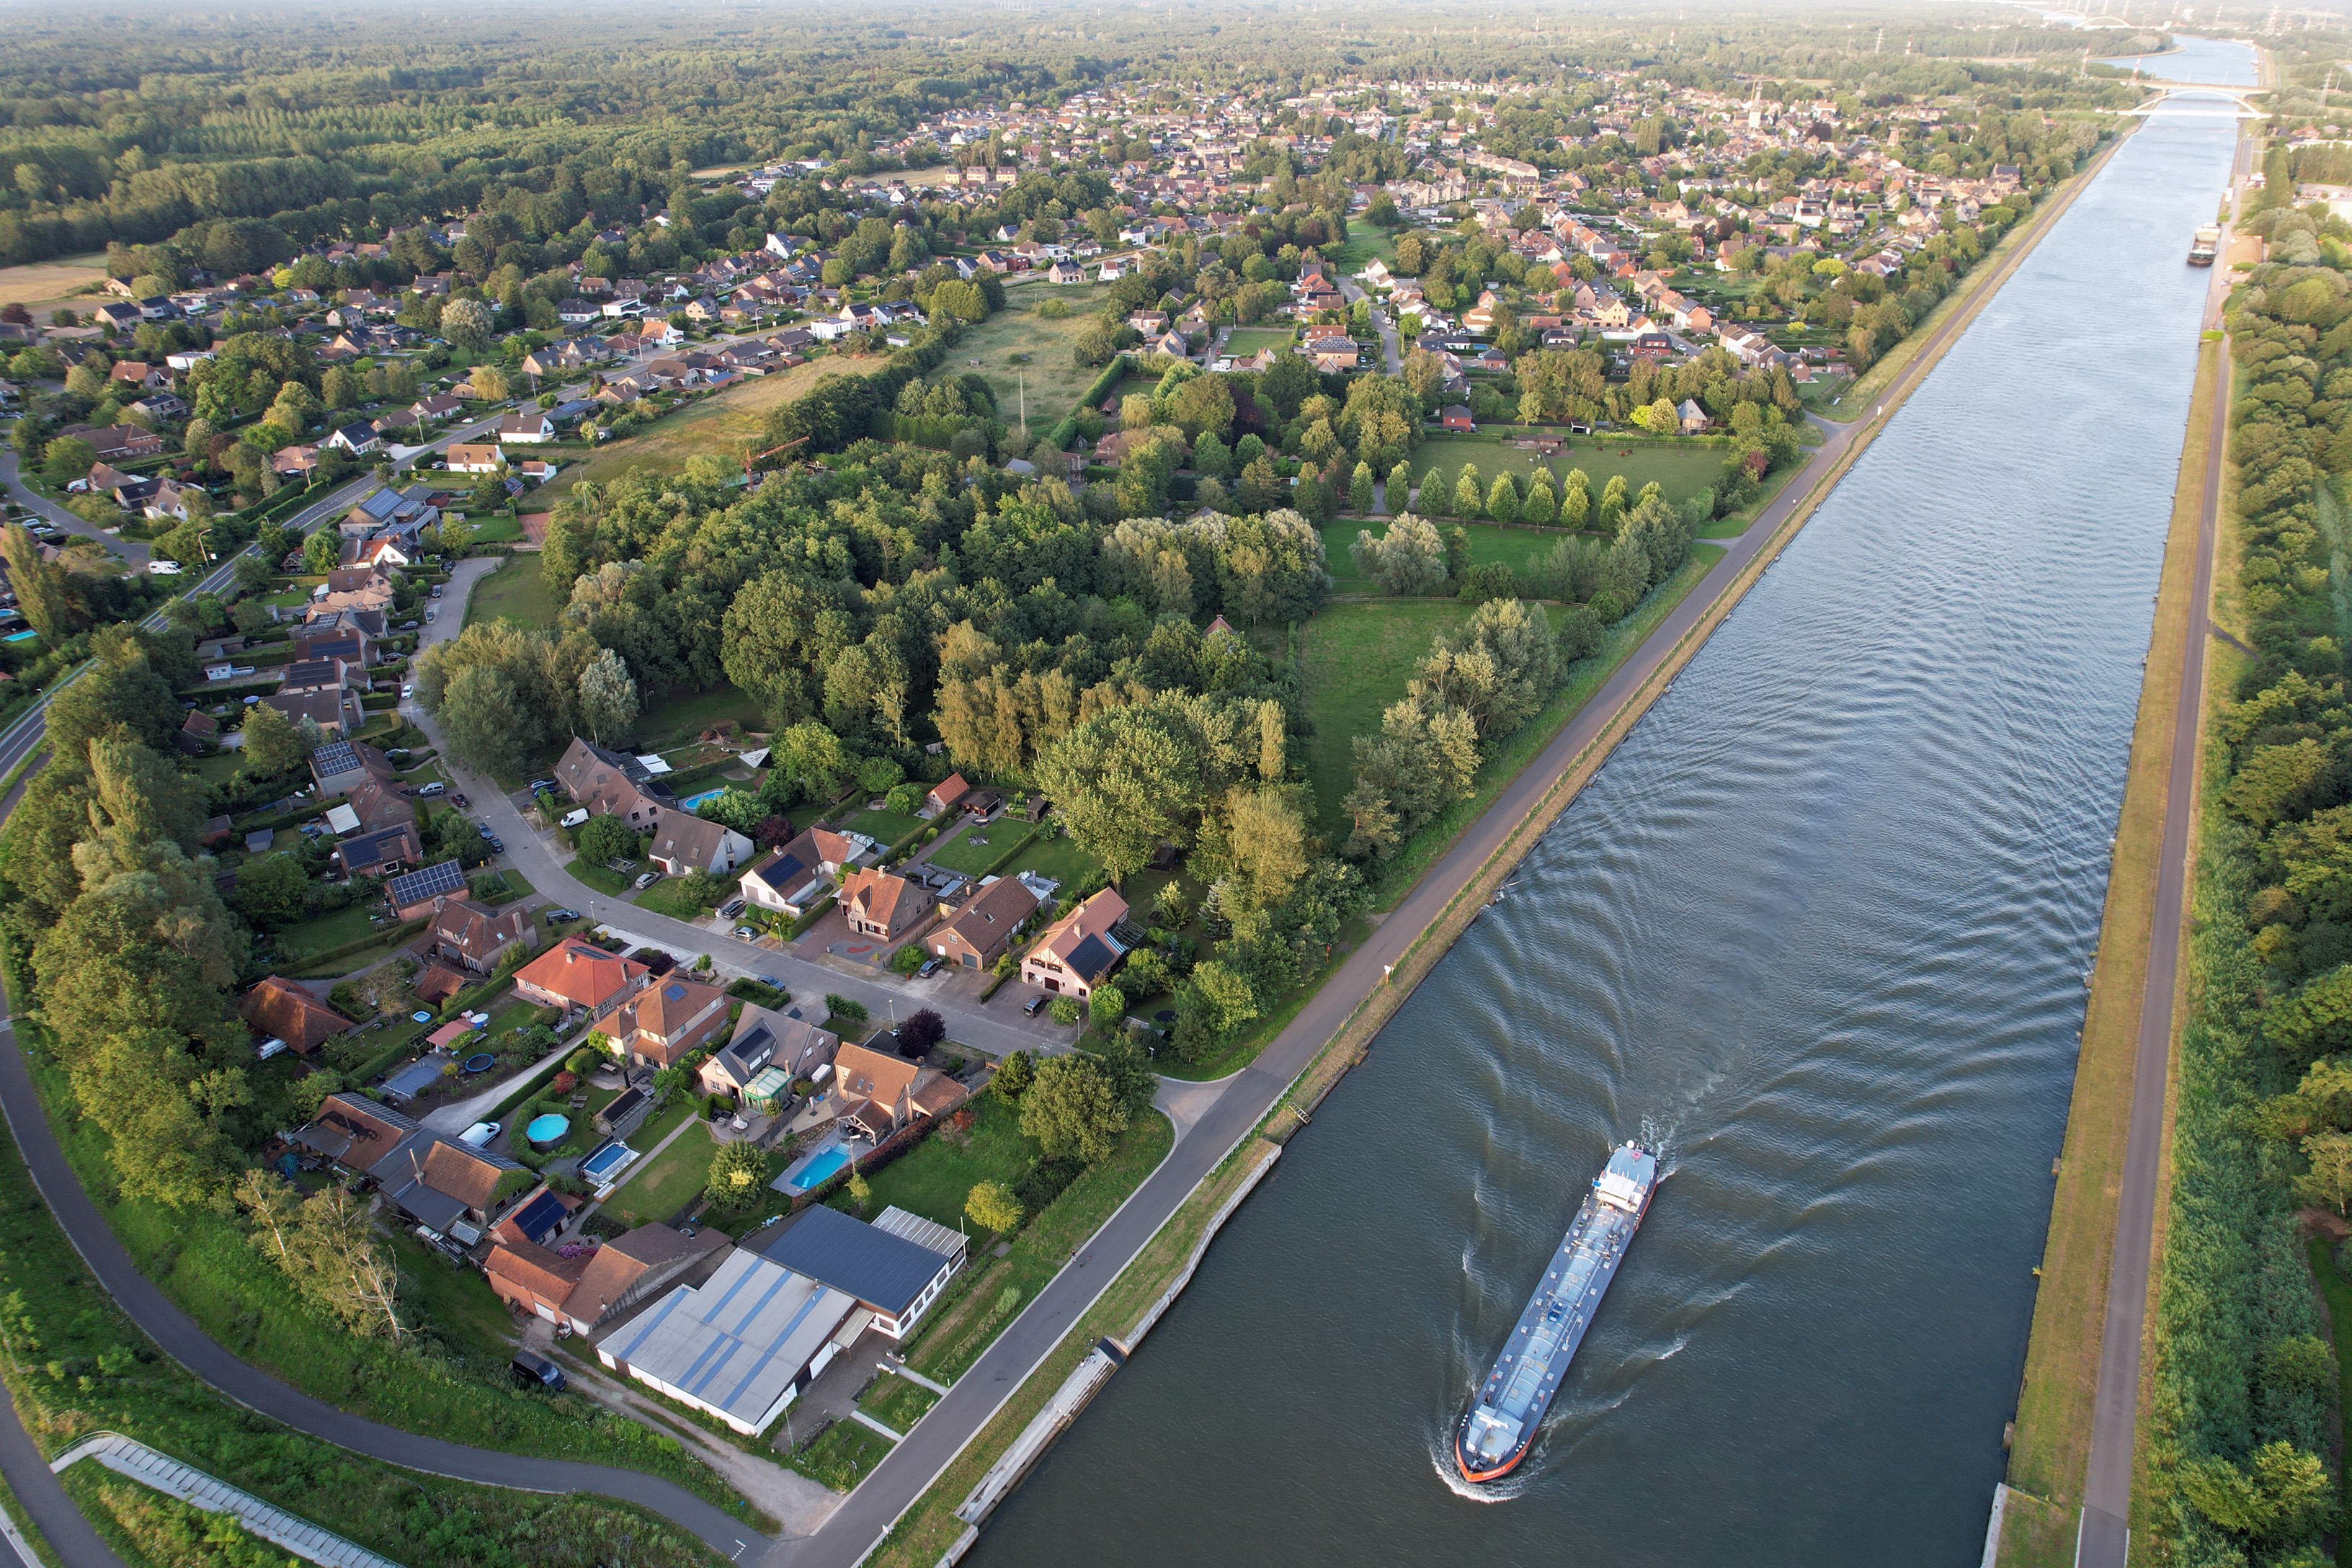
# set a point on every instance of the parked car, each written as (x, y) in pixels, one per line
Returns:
(479, 1134)
(930, 967)
(437, 787)
(533, 1371)
(1031, 1007)
(746, 933)
(770, 981)
(540, 786)
(574, 817)
(648, 881)
(498, 844)
(436, 590)
(460, 802)
(485, 829)
(563, 914)
(407, 692)
(732, 908)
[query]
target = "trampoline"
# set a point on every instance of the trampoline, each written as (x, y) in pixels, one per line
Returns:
(480, 1061)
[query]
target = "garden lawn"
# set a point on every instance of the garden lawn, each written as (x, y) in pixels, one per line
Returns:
(725, 424)
(935, 1178)
(1513, 547)
(961, 854)
(515, 589)
(1054, 382)
(1250, 340)
(885, 827)
(962, 1326)
(348, 924)
(599, 876)
(1058, 860)
(895, 1403)
(498, 530)
(671, 1182)
(1355, 660)
(670, 721)
(669, 897)
(840, 1455)
(1682, 470)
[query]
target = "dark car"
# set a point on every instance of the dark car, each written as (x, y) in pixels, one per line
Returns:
(460, 802)
(539, 786)
(563, 914)
(930, 967)
(497, 846)
(485, 829)
(1031, 1007)
(532, 1370)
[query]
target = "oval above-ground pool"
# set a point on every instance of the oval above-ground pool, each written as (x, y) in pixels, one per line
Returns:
(547, 1129)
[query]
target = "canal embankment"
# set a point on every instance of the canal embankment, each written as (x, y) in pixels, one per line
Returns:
(2050, 1441)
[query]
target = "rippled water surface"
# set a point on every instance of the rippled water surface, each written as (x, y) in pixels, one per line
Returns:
(2219, 60)
(1819, 928)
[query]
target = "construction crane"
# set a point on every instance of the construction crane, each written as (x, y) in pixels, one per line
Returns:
(749, 456)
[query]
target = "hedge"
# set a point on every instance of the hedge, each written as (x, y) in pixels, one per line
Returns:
(816, 912)
(380, 701)
(1058, 438)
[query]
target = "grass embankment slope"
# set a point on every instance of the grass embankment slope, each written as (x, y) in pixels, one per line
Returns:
(725, 424)
(2050, 1452)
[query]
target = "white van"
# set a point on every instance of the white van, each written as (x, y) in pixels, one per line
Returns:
(164, 568)
(575, 818)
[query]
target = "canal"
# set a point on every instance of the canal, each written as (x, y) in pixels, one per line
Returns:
(1819, 930)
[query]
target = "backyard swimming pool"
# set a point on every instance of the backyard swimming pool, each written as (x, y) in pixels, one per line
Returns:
(547, 1129)
(602, 1165)
(694, 802)
(818, 1169)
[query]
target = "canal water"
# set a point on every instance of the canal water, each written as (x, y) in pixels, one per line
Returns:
(1819, 930)
(2223, 61)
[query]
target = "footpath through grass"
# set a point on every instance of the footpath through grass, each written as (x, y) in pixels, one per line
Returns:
(2050, 1455)
(77, 1366)
(448, 1384)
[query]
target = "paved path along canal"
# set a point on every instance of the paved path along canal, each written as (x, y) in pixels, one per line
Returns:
(1818, 928)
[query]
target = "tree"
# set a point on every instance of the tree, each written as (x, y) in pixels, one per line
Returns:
(1408, 559)
(1015, 1074)
(68, 459)
(738, 1174)
(341, 1263)
(923, 1029)
(993, 1206)
(1503, 500)
(39, 584)
(489, 384)
(483, 718)
(879, 775)
(861, 1191)
(272, 744)
(1658, 418)
(271, 889)
(606, 836)
(2329, 1180)
(1125, 781)
(1222, 995)
(323, 551)
(1360, 491)
(608, 697)
(1468, 499)
(469, 324)
(1107, 1006)
(1398, 496)
(2282, 1496)
(1072, 1110)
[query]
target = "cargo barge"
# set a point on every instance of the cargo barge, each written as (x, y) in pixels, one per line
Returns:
(2205, 246)
(1500, 1425)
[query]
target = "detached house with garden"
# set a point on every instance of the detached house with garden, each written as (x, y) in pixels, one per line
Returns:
(576, 973)
(1078, 952)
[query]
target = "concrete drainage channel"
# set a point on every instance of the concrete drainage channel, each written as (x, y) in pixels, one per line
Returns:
(167, 1475)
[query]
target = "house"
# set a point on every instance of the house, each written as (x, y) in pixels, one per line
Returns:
(474, 938)
(896, 1273)
(1691, 417)
(445, 1186)
(418, 895)
(118, 443)
(196, 732)
(468, 458)
(886, 908)
(659, 1024)
(527, 429)
(614, 782)
(1079, 950)
(741, 1347)
(355, 1131)
(876, 1093)
(976, 935)
(942, 796)
(379, 803)
(336, 710)
(798, 877)
(1333, 354)
(1065, 272)
(628, 1268)
(381, 852)
(576, 973)
(684, 843)
(359, 439)
(1457, 417)
(280, 1010)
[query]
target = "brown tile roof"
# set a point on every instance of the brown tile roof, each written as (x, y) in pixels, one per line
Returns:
(621, 1263)
(990, 915)
(283, 1010)
(453, 1168)
(664, 1012)
(892, 902)
(478, 931)
(583, 975)
(1096, 915)
(547, 1274)
(874, 1075)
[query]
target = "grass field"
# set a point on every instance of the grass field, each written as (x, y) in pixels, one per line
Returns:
(1055, 384)
(670, 1182)
(1355, 660)
(1488, 542)
(2051, 1453)
(515, 589)
(722, 424)
(670, 721)
(1364, 244)
(50, 282)
(934, 1179)
(1681, 470)
(840, 1455)
(975, 859)
(897, 1402)
(350, 924)
(667, 897)
(1058, 860)
(1249, 340)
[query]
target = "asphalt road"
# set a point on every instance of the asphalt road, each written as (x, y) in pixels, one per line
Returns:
(43, 1498)
(909, 1469)
(2105, 1538)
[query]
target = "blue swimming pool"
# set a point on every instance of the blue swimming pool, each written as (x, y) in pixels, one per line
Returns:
(600, 1164)
(694, 802)
(819, 1169)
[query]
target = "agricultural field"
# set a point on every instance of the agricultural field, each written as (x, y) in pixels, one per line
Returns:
(1355, 660)
(723, 425)
(1683, 470)
(44, 285)
(1488, 542)
(1054, 382)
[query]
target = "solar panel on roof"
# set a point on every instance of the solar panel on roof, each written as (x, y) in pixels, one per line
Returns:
(675, 992)
(448, 877)
(1090, 958)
